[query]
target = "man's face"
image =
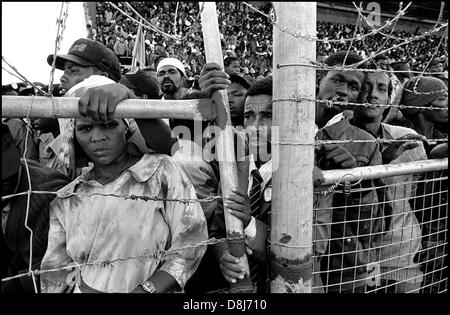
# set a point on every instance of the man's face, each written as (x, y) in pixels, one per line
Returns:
(169, 80)
(103, 142)
(374, 91)
(341, 86)
(383, 64)
(73, 74)
(236, 97)
(233, 68)
(438, 116)
(258, 121)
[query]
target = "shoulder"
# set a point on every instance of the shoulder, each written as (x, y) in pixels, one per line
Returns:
(44, 178)
(398, 131)
(343, 129)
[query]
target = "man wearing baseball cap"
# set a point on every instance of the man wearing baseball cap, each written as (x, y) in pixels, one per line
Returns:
(85, 58)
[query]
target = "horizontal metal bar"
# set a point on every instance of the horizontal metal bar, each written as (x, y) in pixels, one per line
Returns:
(330, 177)
(67, 107)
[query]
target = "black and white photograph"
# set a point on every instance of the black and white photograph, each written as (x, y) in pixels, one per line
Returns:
(143, 144)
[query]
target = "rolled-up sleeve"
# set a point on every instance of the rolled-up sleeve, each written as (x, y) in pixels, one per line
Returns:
(187, 225)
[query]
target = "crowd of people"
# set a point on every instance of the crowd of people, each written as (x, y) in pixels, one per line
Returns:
(245, 34)
(377, 236)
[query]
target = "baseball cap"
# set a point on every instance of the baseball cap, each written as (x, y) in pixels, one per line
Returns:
(171, 62)
(10, 153)
(90, 53)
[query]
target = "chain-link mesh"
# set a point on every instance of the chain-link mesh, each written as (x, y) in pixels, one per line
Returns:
(386, 235)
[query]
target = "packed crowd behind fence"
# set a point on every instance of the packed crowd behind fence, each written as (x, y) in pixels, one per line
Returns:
(385, 234)
(246, 35)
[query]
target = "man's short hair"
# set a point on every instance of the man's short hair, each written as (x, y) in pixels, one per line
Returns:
(261, 87)
(228, 60)
(338, 58)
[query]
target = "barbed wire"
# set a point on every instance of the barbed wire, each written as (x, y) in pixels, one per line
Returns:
(63, 194)
(414, 90)
(408, 41)
(395, 37)
(147, 254)
(14, 75)
(23, 78)
(160, 253)
(297, 35)
(325, 67)
(330, 103)
(358, 18)
(61, 22)
(151, 27)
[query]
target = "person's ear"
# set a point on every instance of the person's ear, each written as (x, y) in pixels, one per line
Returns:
(319, 77)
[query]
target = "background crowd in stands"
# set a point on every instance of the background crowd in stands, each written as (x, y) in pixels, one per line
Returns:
(246, 34)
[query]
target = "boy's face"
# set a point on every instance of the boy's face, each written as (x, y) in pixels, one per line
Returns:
(103, 142)
(341, 86)
(233, 68)
(73, 74)
(374, 91)
(258, 121)
(236, 97)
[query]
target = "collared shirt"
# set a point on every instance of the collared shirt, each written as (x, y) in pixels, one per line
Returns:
(402, 240)
(48, 149)
(189, 157)
(88, 229)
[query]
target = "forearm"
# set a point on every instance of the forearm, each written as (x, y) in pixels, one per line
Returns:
(157, 135)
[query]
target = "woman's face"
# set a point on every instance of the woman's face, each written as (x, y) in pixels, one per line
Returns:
(103, 142)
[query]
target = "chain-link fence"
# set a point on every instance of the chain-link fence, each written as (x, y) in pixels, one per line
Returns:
(382, 235)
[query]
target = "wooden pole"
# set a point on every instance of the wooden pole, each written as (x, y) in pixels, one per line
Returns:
(225, 146)
(67, 107)
(292, 203)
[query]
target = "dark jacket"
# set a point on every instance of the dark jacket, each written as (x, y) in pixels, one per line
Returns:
(17, 237)
(359, 216)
